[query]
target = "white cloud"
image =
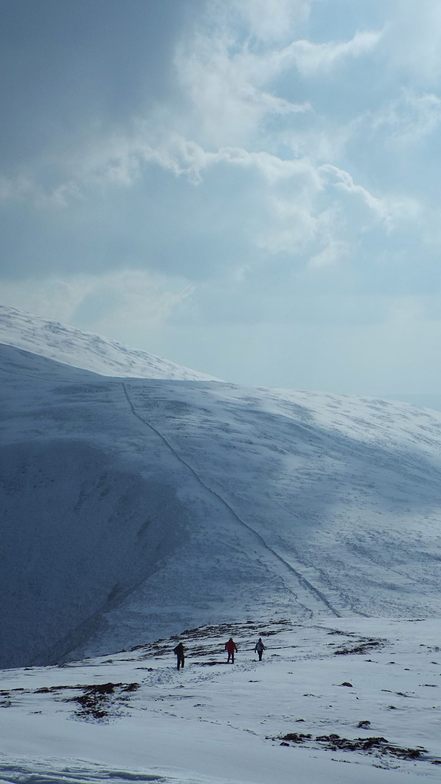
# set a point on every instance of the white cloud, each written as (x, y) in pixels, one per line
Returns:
(23, 188)
(269, 21)
(183, 157)
(272, 168)
(227, 91)
(409, 119)
(136, 299)
(290, 194)
(333, 252)
(52, 298)
(388, 209)
(228, 79)
(226, 73)
(290, 229)
(343, 180)
(413, 40)
(309, 57)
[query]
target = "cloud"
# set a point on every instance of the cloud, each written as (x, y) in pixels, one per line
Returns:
(311, 58)
(334, 252)
(413, 41)
(216, 75)
(231, 60)
(242, 161)
(343, 181)
(137, 300)
(71, 70)
(247, 152)
(294, 206)
(184, 157)
(224, 66)
(290, 228)
(409, 119)
(26, 188)
(15, 188)
(389, 210)
(267, 21)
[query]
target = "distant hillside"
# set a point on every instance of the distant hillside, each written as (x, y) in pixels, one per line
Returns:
(80, 349)
(132, 508)
(421, 401)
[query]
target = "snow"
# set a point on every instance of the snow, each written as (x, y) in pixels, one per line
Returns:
(139, 499)
(134, 506)
(53, 340)
(213, 722)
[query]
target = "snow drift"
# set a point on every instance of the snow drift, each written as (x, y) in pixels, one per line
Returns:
(132, 507)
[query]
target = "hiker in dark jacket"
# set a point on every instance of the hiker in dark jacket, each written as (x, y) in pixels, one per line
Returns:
(180, 654)
(231, 649)
(259, 648)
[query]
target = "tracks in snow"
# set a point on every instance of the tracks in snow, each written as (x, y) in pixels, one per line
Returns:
(54, 772)
(299, 577)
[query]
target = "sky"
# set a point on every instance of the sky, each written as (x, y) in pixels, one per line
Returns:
(247, 187)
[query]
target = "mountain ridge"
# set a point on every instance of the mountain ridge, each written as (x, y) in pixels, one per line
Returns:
(89, 351)
(134, 507)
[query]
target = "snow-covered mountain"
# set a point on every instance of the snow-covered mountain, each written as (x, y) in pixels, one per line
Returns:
(135, 507)
(53, 340)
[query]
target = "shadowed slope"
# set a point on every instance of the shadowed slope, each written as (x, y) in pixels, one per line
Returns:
(132, 508)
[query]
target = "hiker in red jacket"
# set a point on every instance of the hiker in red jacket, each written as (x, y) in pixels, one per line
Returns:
(230, 648)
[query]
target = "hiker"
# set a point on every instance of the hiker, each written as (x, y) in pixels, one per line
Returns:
(230, 648)
(259, 648)
(180, 654)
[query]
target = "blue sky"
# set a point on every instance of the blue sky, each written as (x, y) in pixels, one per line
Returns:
(248, 187)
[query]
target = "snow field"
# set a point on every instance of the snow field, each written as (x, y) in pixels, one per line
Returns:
(215, 722)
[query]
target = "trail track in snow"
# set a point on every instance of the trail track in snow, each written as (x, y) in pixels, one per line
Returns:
(299, 577)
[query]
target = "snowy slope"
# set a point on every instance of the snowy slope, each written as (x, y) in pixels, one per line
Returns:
(135, 507)
(370, 686)
(80, 349)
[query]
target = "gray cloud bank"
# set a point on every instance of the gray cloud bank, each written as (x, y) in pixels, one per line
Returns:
(174, 173)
